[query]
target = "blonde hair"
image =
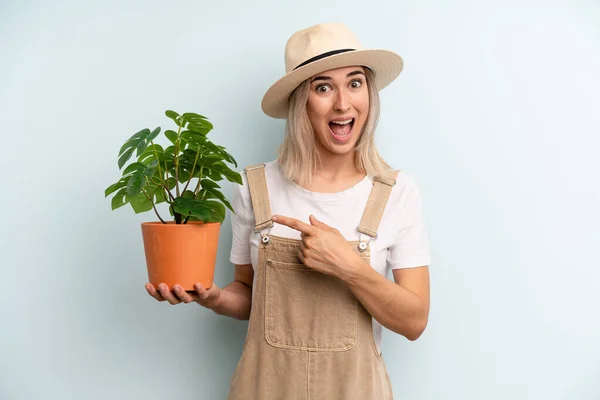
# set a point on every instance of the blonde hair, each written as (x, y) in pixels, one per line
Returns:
(298, 156)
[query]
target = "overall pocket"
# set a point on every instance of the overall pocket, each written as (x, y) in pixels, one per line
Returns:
(308, 310)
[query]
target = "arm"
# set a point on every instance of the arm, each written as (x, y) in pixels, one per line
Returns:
(401, 306)
(235, 299)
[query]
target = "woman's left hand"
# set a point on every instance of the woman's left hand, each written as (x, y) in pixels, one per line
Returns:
(323, 248)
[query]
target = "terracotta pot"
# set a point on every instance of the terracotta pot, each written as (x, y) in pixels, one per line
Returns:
(181, 253)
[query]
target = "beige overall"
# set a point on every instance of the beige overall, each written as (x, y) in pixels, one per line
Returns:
(309, 338)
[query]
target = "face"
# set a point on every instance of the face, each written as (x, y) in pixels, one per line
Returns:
(338, 104)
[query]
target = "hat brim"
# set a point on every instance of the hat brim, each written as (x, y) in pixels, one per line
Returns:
(386, 64)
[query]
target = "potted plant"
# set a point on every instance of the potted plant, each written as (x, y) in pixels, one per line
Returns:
(183, 249)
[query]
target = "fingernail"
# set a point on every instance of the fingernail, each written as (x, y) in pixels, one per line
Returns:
(274, 218)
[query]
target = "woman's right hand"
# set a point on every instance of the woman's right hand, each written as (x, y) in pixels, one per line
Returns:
(208, 298)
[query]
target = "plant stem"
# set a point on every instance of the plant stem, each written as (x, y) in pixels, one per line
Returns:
(153, 206)
(193, 169)
(197, 190)
(169, 193)
(177, 158)
(165, 187)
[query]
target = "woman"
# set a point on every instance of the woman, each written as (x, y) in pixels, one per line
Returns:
(316, 231)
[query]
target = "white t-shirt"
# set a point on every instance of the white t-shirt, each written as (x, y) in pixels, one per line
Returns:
(402, 238)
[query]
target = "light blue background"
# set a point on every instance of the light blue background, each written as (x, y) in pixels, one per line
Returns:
(497, 115)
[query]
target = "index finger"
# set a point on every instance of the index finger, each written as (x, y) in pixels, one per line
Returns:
(295, 224)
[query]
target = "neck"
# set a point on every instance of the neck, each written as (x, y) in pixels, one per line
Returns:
(336, 166)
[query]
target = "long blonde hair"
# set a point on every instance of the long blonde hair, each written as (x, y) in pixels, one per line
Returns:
(298, 156)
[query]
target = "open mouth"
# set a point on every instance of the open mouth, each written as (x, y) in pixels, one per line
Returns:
(341, 130)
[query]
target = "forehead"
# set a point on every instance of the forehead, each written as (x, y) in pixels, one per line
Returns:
(340, 72)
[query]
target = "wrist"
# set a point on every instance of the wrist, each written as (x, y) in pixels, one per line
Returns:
(353, 271)
(220, 300)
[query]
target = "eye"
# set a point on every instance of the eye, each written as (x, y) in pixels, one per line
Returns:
(356, 83)
(322, 88)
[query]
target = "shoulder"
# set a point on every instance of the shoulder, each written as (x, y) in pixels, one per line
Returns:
(406, 192)
(405, 182)
(272, 172)
(270, 167)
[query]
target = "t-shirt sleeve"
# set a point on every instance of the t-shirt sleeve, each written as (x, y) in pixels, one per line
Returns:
(242, 224)
(411, 247)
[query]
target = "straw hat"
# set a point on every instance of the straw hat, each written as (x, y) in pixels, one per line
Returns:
(321, 48)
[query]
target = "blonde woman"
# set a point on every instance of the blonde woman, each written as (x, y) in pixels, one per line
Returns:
(316, 232)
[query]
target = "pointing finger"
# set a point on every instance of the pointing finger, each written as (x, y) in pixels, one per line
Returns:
(295, 224)
(315, 222)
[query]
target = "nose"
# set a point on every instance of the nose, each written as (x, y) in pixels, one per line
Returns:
(342, 101)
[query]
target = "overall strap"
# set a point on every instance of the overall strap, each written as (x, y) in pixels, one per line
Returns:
(378, 198)
(259, 196)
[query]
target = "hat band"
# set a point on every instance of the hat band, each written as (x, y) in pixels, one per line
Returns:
(321, 56)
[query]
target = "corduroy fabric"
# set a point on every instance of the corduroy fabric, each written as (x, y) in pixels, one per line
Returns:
(309, 338)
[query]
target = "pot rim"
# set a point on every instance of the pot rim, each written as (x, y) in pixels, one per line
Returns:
(174, 225)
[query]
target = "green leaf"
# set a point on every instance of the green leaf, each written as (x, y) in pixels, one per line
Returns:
(193, 116)
(168, 156)
(194, 139)
(150, 153)
(153, 135)
(218, 211)
(196, 208)
(140, 203)
(120, 199)
(130, 145)
(160, 196)
(212, 191)
(140, 175)
(213, 147)
(203, 129)
(142, 145)
(188, 194)
(214, 175)
(217, 194)
(234, 177)
(171, 114)
(171, 135)
(221, 151)
(206, 195)
(139, 142)
(174, 116)
(115, 186)
(186, 163)
(171, 182)
(228, 156)
(208, 184)
(225, 171)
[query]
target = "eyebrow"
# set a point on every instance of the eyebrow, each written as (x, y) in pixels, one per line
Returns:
(328, 78)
